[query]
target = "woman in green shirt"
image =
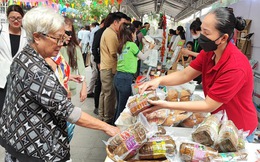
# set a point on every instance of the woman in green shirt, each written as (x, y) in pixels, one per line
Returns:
(126, 64)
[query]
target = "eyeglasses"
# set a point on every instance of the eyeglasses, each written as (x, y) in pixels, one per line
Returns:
(15, 18)
(69, 33)
(59, 41)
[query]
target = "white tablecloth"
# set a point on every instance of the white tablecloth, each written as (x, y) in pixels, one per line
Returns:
(186, 133)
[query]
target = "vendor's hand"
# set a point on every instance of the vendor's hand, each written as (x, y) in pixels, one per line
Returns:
(98, 66)
(111, 130)
(150, 85)
(160, 104)
(185, 51)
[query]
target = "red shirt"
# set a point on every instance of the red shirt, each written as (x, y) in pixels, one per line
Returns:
(230, 82)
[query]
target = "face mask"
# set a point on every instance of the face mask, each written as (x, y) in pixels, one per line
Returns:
(195, 36)
(206, 44)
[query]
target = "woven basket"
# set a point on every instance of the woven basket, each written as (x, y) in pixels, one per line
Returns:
(111, 156)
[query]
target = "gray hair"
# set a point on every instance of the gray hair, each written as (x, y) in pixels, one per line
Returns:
(41, 20)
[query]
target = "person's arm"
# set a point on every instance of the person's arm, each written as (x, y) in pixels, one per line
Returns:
(187, 52)
(207, 105)
(144, 55)
(81, 70)
(176, 78)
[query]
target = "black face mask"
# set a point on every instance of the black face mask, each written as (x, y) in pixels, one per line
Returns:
(206, 44)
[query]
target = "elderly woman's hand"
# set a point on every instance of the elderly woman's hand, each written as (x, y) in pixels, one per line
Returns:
(111, 130)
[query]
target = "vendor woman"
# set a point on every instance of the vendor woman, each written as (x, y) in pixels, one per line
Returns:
(227, 76)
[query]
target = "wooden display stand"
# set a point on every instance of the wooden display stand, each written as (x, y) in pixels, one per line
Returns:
(179, 55)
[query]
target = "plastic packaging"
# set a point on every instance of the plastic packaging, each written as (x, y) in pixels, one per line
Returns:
(196, 152)
(176, 117)
(207, 131)
(158, 147)
(194, 120)
(158, 116)
(229, 157)
(124, 146)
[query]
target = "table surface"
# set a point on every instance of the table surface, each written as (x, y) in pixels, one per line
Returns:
(185, 133)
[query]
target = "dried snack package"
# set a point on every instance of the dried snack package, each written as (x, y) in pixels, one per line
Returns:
(138, 103)
(125, 145)
(185, 95)
(158, 147)
(207, 132)
(196, 152)
(158, 116)
(194, 120)
(228, 137)
(229, 157)
(176, 117)
(172, 95)
(242, 139)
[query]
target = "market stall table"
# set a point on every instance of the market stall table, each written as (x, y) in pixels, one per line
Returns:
(251, 148)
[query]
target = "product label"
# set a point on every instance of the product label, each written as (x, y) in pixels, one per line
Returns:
(131, 144)
(125, 135)
(199, 152)
(159, 147)
(227, 157)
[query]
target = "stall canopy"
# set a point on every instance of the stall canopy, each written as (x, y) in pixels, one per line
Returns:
(178, 9)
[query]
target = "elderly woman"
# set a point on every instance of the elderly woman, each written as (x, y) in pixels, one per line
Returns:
(12, 41)
(33, 120)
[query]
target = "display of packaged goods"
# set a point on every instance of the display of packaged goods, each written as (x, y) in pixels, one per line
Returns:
(125, 144)
(176, 117)
(228, 137)
(207, 131)
(185, 95)
(161, 131)
(139, 103)
(194, 119)
(158, 148)
(196, 152)
(229, 157)
(158, 116)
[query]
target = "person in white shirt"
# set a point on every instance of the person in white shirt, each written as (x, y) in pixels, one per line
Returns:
(12, 41)
(85, 44)
(80, 34)
(93, 28)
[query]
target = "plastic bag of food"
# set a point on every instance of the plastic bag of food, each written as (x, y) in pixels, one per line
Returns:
(172, 95)
(242, 138)
(161, 131)
(185, 95)
(176, 117)
(159, 147)
(125, 145)
(138, 103)
(196, 152)
(158, 116)
(229, 157)
(194, 119)
(207, 131)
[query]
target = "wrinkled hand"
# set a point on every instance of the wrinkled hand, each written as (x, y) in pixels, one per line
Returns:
(157, 105)
(185, 51)
(111, 130)
(150, 85)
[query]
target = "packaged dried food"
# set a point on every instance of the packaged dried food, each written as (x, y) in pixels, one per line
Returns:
(207, 131)
(157, 148)
(229, 157)
(194, 119)
(175, 117)
(139, 102)
(161, 131)
(172, 95)
(185, 95)
(196, 152)
(158, 116)
(228, 137)
(126, 144)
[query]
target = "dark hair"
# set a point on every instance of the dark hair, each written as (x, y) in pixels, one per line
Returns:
(129, 19)
(195, 25)
(15, 8)
(146, 23)
(190, 43)
(125, 34)
(227, 22)
(102, 21)
(173, 32)
(95, 24)
(109, 20)
(181, 32)
(73, 43)
(119, 15)
(137, 24)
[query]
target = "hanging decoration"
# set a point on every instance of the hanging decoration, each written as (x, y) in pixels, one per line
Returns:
(100, 1)
(164, 24)
(119, 1)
